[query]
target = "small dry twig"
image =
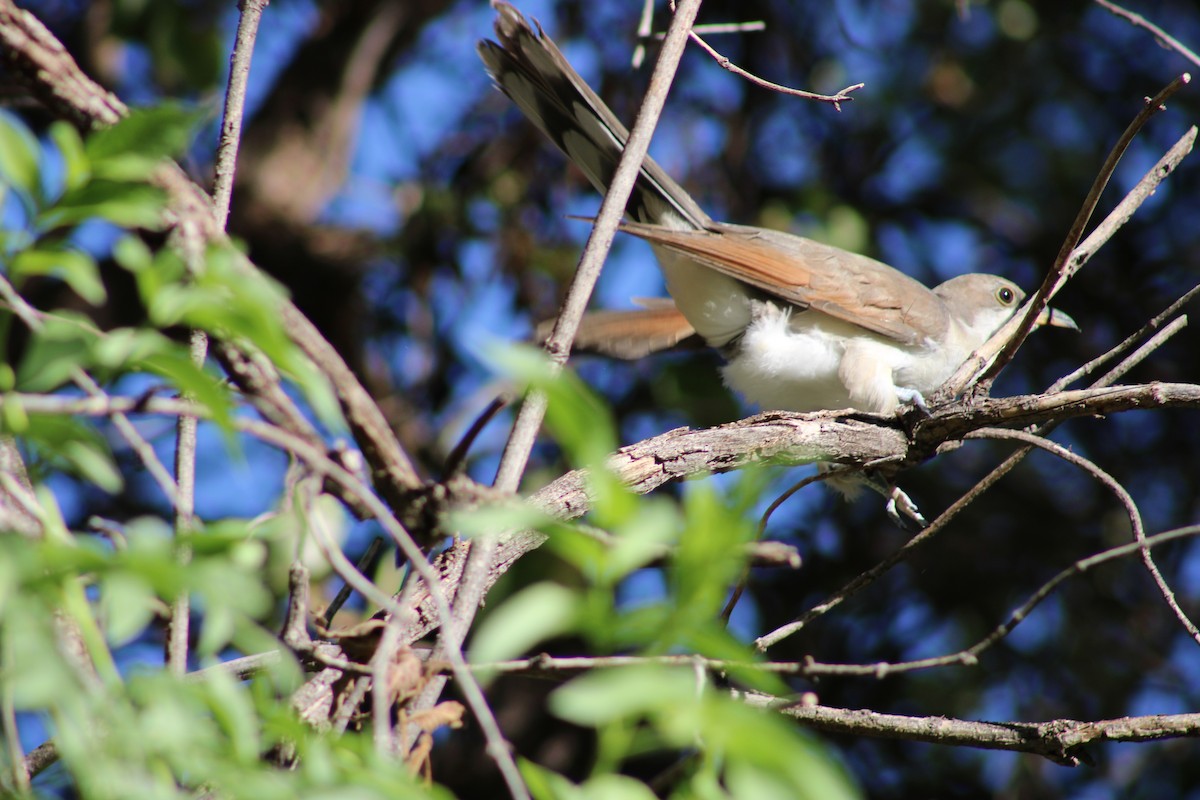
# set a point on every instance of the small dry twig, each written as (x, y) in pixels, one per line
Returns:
(1137, 20)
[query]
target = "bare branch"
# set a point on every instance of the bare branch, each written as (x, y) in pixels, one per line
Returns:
(250, 14)
(52, 73)
(836, 99)
(999, 349)
(604, 230)
(1135, 517)
(1070, 257)
(1061, 741)
(178, 620)
(1150, 327)
(777, 438)
(1137, 20)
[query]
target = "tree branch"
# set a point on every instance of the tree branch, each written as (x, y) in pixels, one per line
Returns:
(1062, 741)
(57, 81)
(999, 349)
(1138, 21)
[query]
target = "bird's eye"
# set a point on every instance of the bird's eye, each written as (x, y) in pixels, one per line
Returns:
(1005, 296)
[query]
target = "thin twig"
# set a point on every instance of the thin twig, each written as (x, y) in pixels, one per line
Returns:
(458, 456)
(753, 26)
(724, 62)
(344, 593)
(40, 758)
(137, 443)
(382, 664)
(1139, 21)
(16, 759)
(185, 448)
(178, 623)
(1153, 325)
(645, 20)
(969, 656)
(739, 588)
(1067, 262)
(1137, 356)
(1061, 741)
(351, 700)
(235, 103)
(983, 362)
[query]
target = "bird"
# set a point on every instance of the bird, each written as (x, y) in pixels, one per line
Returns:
(802, 325)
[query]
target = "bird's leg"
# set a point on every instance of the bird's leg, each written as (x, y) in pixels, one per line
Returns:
(898, 504)
(913, 398)
(848, 482)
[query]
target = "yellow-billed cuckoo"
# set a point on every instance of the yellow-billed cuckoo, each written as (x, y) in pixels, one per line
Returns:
(804, 326)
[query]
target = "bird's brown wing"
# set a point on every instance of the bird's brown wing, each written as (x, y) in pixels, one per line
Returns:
(844, 285)
(629, 334)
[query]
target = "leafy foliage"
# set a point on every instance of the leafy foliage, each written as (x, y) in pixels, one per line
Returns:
(949, 161)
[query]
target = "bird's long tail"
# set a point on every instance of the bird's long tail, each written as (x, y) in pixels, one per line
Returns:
(531, 70)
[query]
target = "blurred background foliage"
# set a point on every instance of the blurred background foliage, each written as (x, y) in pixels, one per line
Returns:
(417, 219)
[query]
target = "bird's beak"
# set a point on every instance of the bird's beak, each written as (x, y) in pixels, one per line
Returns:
(1052, 316)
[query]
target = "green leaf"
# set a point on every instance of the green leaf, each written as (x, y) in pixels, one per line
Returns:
(233, 710)
(34, 672)
(151, 133)
(544, 784)
(216, 631)
(124, 347)
(711, 552)
(190, 303)
(575, 416)
(532, 615)
(126, 168)
(609, 695)
(774, 753)
(19, 154)
(642, 538)
(14, 418)
(77, 167)
(61, 345)
(94, 463)
(125, 204)
(195, 383)
(75, 267)
(620, 787)
(128, 606)
(497, 517)
(133, 254)
(745, 780)
(73, 445)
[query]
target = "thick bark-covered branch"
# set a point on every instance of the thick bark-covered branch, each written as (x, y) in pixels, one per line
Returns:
(783, 438)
